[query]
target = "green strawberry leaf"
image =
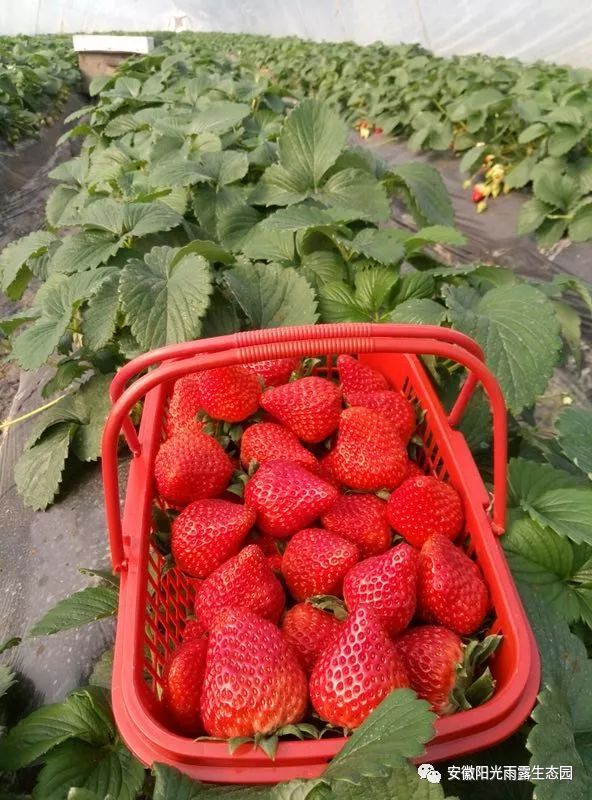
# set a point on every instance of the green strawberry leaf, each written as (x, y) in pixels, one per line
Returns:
(425, 192)
(16, 255)
(270, 295)
(78, 609)
(563, 716)
(357, 191)
(532, 214)
(85, 715)
(397, 729)
(165, 296)
(338, 303)
(542, 559)
(235, 224)
(574, 433)
(553, 498)
(102, 672)
(107, 770)
(170, 784)
(519, 332)
(402, 783)
(383, 245)
(93, 404)
(312, 138)
(38, 471)
(419, 311)
(99, 318)
(84, 251)
(58, 299)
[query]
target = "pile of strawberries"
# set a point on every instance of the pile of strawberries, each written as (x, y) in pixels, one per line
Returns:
(334, 579)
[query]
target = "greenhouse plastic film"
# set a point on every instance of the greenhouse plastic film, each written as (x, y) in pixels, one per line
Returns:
(555, 30)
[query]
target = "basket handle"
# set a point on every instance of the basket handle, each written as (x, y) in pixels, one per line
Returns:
(288, 334)
(298, 348)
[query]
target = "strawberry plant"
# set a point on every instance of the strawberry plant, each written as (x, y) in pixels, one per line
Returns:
(36, 76)
(499, 114)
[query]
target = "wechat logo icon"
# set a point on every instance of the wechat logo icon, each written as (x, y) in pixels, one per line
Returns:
(427, 772)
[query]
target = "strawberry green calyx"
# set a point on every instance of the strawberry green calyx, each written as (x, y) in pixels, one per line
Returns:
(268, 742)
(474, 682)
(330, 603)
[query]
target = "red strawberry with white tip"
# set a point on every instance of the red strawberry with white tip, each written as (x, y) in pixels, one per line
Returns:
(394, 407)
(275, 371)
(191, 466)
(230, 393)
(268, 441)
(287, 497)
(445, 672)
(357, 377)
(309, 407)
(183, 406)
(355, 673)
(244, 581)
(361, 518)
(182, 685)
(253, 681)
(450, 588)
(369, 453)
(309, 631)
(423, 506)
(315, 562)
(207, 533)
(387, 584)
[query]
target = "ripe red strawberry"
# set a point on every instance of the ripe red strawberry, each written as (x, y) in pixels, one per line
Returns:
(387, 584)
(275, 562)
(309, 631)
(394, 407)
(369, 453)
(477, 195)
(269, 545)
(444, 671)
(423, 506)
(450, 590)
(191, 466)
(355, 673)
(431, 655)
(193, 630)
(268, 441)
(361, 518)
(326, 468)
(253, 682)
(414, 470)
(228, 393)
(183, 406)
(287, 497)
(309, 407)
(207, 533)
(182, 685)
(315, 562)
(274, 372)
(244, 581)
(357, 377)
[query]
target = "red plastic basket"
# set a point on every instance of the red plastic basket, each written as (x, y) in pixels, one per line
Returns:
(153, 607)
